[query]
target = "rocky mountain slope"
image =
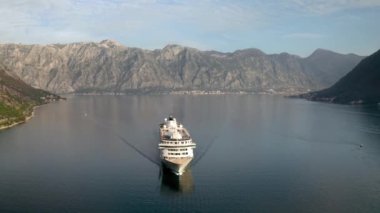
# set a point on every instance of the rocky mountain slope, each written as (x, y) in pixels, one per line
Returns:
(111, 67)
(360, 86)
(17, 99)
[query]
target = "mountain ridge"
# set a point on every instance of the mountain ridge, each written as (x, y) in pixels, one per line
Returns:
(109, 66)
(359, 86)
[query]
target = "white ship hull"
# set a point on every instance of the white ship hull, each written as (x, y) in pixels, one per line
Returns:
(177, 166)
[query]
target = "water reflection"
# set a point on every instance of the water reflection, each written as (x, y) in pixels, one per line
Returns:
(172, 184)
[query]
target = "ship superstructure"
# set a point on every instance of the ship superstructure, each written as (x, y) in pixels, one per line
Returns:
(176, 146)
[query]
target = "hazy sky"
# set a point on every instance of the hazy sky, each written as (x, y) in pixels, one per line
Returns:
(294, 26)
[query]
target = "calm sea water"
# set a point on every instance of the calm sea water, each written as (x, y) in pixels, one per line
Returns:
(255, 154)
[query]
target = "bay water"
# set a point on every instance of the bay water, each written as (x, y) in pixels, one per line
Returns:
(255, 153)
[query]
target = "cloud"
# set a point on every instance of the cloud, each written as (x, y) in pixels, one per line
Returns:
(322, 7)
(100, 18)
(304, 36)
(208, 24)
(39, 21)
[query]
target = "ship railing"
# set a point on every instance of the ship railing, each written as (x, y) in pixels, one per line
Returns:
(179, 145)
(177, 142)
(163, 146)
(178, 157)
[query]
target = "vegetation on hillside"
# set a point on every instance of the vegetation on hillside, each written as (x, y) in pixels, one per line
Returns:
(17, 99)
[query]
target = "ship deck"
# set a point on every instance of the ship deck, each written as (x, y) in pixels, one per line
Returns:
(184, 133)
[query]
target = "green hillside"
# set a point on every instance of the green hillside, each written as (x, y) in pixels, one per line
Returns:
(17, 99)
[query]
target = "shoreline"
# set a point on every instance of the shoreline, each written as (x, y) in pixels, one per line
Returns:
(27, 118)
(281, 91)
(181, 93)
(30, 116)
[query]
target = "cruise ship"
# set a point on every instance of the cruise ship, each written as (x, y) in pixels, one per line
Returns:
(176, 146)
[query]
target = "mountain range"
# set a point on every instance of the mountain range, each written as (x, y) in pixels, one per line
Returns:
(360, 86)
(109, 67)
